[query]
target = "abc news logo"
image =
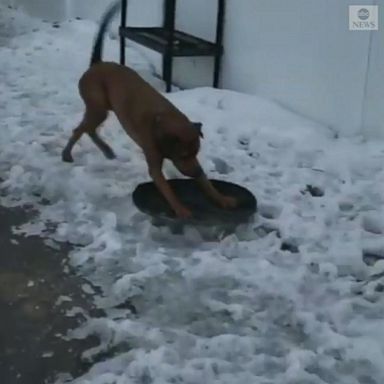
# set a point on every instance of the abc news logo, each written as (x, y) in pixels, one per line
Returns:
(363, 18)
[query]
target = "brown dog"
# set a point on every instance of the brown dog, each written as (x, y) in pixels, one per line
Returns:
(155, 124)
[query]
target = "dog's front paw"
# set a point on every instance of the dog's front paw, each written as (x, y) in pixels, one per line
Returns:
(227, 202)
(183, 212)
(67, 157)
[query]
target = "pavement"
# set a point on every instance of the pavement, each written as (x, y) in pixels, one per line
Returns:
(36, 297)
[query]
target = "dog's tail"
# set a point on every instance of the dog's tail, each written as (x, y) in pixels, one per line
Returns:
(105, 21)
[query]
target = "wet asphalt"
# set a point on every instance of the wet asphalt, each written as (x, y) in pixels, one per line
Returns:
(37, 292)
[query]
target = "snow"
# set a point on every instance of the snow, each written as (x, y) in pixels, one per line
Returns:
(186, 308)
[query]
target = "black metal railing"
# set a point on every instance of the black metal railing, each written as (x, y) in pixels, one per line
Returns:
(173, 43)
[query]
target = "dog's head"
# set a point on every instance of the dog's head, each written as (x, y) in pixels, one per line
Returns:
(178, 141)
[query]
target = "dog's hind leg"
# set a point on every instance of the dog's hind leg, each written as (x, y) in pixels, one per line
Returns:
(102, 145)
(92, 119)
(96, 113)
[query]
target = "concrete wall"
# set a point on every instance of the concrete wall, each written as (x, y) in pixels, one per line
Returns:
(297, 52)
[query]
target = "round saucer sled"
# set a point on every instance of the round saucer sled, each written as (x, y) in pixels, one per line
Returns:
(149, 200)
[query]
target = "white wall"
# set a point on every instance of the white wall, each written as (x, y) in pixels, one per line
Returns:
(301, 53)
(51, 10)
(373, 117)
(146, 12)
(297, 52)
(141, 12)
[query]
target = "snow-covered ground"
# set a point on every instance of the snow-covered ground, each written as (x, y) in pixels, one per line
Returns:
(237, 310)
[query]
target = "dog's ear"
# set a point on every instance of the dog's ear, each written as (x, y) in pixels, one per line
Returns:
(199, 126)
